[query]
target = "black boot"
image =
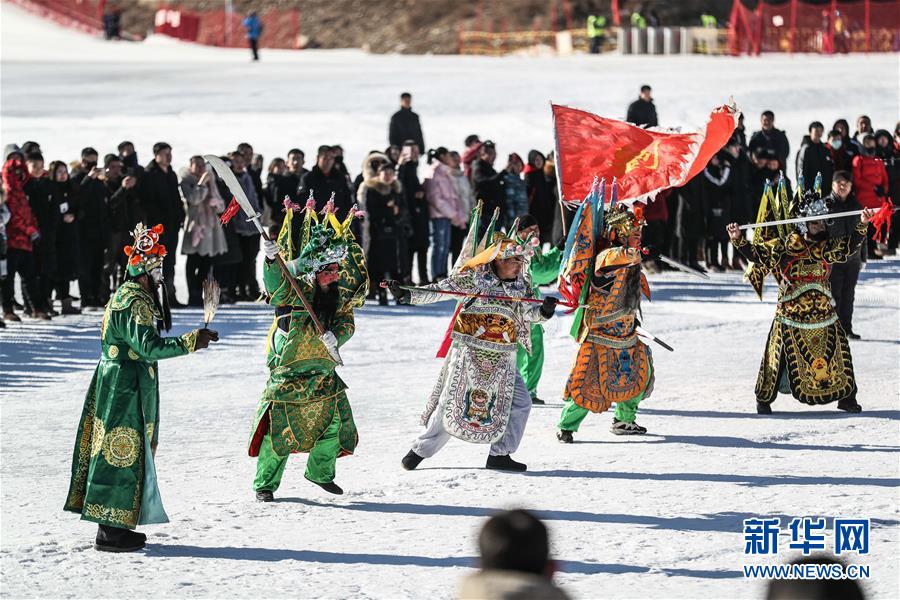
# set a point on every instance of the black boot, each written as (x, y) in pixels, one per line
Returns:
(116, 539)
(264, 496)
(330, 487)
(849, 405)
(536, 400)
(411, 460)
(565, 436)
(382, 297)
(763, 408)
(504, 463)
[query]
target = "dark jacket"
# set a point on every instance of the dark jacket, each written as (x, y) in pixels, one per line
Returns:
(844, 226)
(122, 207)
(92, 217)
(405, 126)
(323, 185)
(718, 187)
(642, 112)
(488, 187)
(42, 201)
(407, 175)
(776, 140)
(813, 159)
(742, 203)
(692, 209)
(541, 200)
(65, 199)
(387, 232)
(160, 198)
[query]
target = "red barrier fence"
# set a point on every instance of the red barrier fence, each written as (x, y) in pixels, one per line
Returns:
(81, 15)
(797, 26)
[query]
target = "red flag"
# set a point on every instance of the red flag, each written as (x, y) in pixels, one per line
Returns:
(643, 161)
(233, 208)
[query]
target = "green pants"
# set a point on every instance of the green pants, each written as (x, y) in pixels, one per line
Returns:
(532, 365)
(572, 414)
(319, 465)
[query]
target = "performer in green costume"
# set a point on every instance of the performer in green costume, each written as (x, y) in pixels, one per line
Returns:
(113, 474)
(542, 270)
(304, 407)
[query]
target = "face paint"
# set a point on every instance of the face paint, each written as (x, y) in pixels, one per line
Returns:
(156, 275)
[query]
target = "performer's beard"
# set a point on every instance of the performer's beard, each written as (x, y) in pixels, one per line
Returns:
(163, 306)
(819, 236)
(325, 303)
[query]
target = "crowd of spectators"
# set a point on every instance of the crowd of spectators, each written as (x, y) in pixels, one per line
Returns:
(69, 222)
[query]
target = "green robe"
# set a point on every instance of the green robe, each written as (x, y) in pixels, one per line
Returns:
(303, 391)
(113, 475)
(543, 270)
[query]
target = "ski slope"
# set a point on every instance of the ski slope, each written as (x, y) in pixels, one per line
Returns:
(658, 516)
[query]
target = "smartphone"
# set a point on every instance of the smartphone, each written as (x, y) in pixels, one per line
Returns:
(406, 152)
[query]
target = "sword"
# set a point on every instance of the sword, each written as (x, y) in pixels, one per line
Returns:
(646, 334)
(849, 213)
(224, 172)
(674, 263)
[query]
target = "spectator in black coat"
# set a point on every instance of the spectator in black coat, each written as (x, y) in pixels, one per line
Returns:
(741, 203)
(642, 111)
(844, 275)
(541, 200)
(122, 208)
(718, 185)
(160, 202)
(814, 157)
(417, 207)
(388, 252)
(762, 172)
(769, 137)
(487, 184)
(691, 220)
(130, 164)
(39, 191)
(253, 171)
(323, 180)
(285, 183)
(405, 125)
(93, 232)
(65, 199)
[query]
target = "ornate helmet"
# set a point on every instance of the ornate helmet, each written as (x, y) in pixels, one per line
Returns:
(622, 220)
(810, 203)
(322, 242)
(146, 253)
(503, 247)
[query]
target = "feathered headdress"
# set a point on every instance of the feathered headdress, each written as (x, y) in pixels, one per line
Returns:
(503, 247)
(146, 253)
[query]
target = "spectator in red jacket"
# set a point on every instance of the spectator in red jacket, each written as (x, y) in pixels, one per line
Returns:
(870, 180)
(473, 146)
(22, 232)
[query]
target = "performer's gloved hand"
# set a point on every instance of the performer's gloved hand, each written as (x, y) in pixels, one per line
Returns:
(204, 337)
(402, 296)
(548, 308)
(271, 249)
(329, 340)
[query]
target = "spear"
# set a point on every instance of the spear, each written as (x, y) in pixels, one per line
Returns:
(237, 191)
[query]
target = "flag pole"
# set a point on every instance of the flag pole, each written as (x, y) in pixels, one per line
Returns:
(558, 169)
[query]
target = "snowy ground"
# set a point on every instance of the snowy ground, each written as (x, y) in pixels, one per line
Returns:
(657, 516)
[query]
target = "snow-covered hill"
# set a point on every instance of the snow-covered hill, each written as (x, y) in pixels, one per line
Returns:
(657, 516)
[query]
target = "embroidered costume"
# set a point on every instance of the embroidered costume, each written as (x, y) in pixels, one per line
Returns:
(480, 396)
(807, 354)
(612, 364)
(304, 407)
(113, 472)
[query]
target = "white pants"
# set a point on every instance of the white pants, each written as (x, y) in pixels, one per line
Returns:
(435, 436)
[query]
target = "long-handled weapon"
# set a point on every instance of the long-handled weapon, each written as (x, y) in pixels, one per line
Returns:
(646, 334)
(237, 191)
(484, 296)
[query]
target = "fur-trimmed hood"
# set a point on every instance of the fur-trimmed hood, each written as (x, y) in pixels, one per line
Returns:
(367, 171)
(382, 187)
